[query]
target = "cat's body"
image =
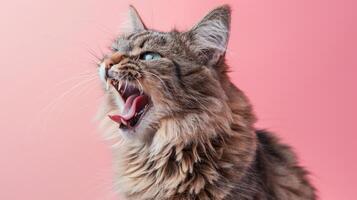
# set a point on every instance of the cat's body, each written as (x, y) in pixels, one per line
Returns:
(196, 138)
(273, 175)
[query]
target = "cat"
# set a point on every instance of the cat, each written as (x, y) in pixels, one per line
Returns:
(182, 129)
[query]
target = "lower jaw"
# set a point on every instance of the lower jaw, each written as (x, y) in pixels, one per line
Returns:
(130, 128)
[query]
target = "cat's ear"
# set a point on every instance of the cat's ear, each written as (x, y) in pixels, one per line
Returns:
(209, 38)
(135, 22)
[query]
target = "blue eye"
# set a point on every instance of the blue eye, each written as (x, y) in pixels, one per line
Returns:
(150, 56)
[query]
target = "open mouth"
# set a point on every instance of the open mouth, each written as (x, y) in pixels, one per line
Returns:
(136, 103)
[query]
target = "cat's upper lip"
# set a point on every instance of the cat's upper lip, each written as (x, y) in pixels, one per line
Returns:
(135, 101)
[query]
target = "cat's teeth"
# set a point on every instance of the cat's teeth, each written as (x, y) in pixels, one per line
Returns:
(126, 84)
(119, 85)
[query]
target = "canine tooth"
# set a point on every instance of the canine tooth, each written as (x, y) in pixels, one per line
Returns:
(126, 84)
(119, 85)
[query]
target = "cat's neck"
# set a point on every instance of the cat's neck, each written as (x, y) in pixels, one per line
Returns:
(171, 164)
(186, 156)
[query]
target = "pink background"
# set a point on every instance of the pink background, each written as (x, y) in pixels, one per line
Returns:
(296, 59)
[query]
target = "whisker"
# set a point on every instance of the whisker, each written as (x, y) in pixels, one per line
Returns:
(164, 84)
(53, 103)
(75, 77)
(96, 99)
(101, 52)
(85, 76)
(68, 91)
(141, 86)
(166, 88)
(91, 52)
(79, 76)
(91, 78)
(81, 91)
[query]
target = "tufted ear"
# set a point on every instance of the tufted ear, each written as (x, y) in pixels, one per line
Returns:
(209, 38)
(135, 22)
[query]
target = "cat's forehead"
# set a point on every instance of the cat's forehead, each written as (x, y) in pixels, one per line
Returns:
(128, 41)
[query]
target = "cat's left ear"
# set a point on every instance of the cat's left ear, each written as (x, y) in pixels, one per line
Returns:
(209, 38)
(135, 22)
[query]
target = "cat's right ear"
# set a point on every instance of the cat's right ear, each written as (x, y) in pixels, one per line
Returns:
(135, 23)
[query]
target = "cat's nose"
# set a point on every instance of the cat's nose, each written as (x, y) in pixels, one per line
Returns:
(109, 62)
(114, 59)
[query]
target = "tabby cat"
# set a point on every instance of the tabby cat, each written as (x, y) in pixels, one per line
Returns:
(182, 130)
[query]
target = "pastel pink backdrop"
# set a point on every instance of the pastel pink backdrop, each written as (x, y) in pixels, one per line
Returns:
(296, 60)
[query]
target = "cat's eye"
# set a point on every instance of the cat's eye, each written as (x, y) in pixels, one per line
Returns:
(148, 56)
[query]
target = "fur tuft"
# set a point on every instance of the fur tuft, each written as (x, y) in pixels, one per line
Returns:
(196, 140)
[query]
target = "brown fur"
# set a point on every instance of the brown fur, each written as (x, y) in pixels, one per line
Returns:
(198, 140)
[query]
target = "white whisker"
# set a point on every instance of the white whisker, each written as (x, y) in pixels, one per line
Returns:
(54, 102)
(80, 76)
(80, 92)
(164, 84)
(166, 88)
(141, 86)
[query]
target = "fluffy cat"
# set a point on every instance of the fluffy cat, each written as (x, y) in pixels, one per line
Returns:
(183, 131)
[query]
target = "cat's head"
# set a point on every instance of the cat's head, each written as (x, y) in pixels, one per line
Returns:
(154, 76)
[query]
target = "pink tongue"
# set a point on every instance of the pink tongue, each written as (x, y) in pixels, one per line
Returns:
(132, 103)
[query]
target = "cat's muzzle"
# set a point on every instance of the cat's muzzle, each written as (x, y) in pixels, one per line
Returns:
(136, 103)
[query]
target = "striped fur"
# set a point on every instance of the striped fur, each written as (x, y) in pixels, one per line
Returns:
(198, 141)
